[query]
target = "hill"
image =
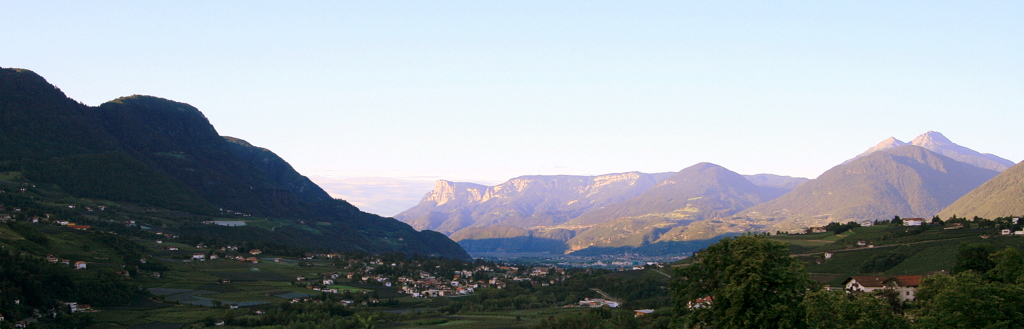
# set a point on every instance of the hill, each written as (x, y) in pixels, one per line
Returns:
(1002, 196)
(907, 181)
(152, 152)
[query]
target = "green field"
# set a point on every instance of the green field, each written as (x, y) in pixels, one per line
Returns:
(929, 251)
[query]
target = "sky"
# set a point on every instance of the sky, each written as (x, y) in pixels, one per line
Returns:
(483, 91)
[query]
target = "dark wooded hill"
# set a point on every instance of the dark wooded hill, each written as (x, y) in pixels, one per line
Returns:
(156, 152)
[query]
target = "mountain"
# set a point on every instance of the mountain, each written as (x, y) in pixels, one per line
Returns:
(153, 152)
(1002, 196)
(906, 181)
(700, 192)
(522, 202)
(571, 213)
(704, 190)
(777, 181)
(936, 142)
(277, 170)
(886, 144)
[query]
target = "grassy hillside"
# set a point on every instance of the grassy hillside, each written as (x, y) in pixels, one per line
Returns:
(1000, 196)
(892, 249)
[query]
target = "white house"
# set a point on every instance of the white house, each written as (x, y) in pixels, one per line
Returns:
(906, 285)
(867, 223)
(913, 222)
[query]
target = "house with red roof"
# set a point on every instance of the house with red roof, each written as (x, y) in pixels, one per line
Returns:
(906, 285)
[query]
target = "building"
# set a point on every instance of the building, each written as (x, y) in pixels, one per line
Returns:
(867, 223)
(598, 302)
(699, 302)
(80, 265)
(913, 221)
(906, 285)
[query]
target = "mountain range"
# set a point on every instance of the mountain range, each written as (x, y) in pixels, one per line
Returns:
(638, 212)
(154, 152)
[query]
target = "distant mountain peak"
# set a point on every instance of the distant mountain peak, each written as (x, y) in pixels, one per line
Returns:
(891, 141)
(931, 138)
(937, 142)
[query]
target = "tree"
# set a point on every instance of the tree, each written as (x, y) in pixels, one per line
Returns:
(974, 257)
(840, 310)
(752, 282)
(968, 301)
(1009, 266)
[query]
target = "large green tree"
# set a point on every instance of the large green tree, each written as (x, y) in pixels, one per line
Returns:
(1009, 266)
(968, 301)
(974, 257)
(841, 310)
(752, 281)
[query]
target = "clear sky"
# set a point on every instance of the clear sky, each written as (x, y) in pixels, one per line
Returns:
(488, 90)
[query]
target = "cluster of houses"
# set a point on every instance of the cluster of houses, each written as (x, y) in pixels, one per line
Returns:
(426, 284)
(79, 265)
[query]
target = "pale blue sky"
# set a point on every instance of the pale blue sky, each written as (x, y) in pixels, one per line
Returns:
(487, 90)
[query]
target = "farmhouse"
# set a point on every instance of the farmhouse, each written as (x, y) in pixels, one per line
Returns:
(906, 285)
(913, 221)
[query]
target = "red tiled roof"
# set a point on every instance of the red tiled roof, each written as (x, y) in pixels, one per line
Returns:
(876, 281)
(909, 280)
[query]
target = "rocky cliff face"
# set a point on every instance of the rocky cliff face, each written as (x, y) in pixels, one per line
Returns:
(523, 202)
